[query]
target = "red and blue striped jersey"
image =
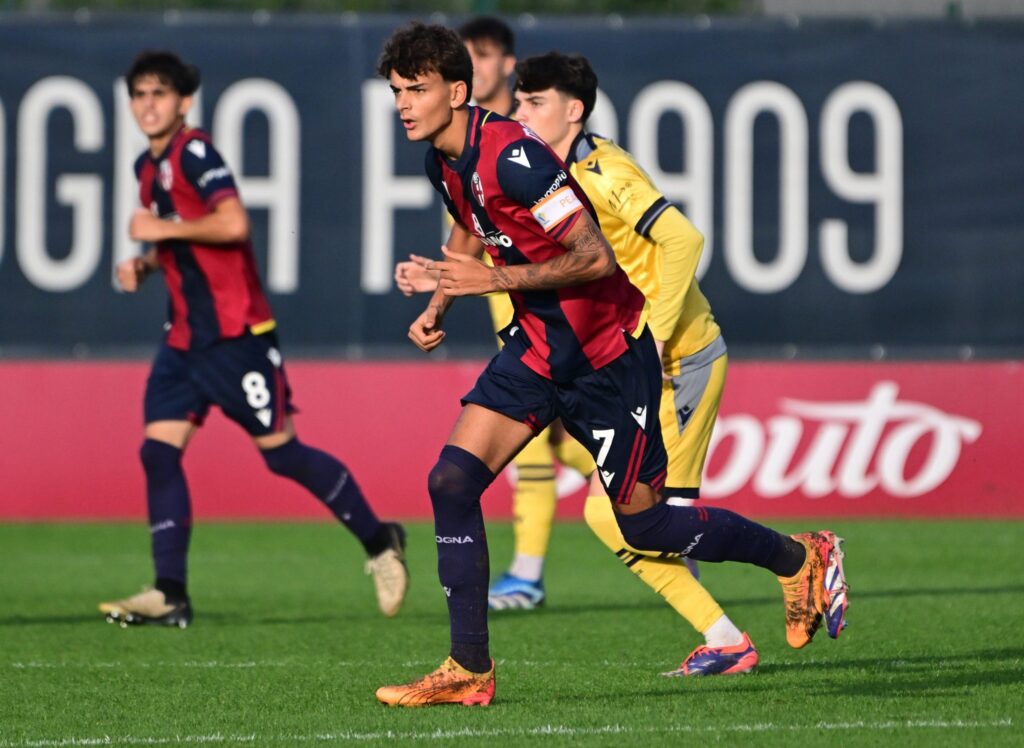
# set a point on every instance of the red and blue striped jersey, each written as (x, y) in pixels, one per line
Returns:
(514, 193)
(215, 290)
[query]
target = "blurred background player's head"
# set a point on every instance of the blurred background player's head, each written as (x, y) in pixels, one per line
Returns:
(491, 46)
(555, 94)
(166, 67)
(160, 86)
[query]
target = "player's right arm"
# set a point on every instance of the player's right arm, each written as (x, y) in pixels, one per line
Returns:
(589, 258)
(131, 272)
(531, 175)
(226, 221)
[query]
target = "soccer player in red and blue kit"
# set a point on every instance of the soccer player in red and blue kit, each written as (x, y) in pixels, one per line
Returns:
(220, 349)
(578, 348)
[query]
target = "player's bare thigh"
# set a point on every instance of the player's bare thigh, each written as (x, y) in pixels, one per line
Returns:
(175, 433)
(270, 441)
(179, 433)
(492, 437)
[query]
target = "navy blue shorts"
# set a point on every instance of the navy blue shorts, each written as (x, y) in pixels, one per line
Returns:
(612, 411)
(243, 376)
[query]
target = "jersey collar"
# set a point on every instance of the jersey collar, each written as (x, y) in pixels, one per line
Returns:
(170, 144)
(582, 146)
(476, 120)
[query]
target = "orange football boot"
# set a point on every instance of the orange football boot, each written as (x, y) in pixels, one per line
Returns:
(818, 589)
(449, 684)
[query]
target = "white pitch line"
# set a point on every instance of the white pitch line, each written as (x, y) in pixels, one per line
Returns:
(534, 732)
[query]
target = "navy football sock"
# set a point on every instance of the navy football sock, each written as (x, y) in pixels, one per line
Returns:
(715, 535)
(174, 591)
(330, 481)
(456, 483)
(170, 511)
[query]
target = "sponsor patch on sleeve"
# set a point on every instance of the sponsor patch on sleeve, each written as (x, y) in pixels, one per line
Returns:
(556, 207)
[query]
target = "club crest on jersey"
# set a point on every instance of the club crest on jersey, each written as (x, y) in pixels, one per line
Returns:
(478, 188)
(166, 175)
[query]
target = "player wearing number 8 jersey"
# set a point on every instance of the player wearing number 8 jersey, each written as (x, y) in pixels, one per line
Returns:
(220, 348)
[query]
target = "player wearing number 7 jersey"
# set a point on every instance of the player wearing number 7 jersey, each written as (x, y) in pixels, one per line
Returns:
(578, 349)
(220, 349)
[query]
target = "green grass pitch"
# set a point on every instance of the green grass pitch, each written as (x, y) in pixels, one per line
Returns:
(287, 647)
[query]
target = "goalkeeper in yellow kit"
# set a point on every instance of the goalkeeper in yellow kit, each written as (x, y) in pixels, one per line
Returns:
(659, 249)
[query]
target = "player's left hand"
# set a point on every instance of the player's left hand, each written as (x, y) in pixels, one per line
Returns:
(145, 227)
(463, 275)
(412, 276)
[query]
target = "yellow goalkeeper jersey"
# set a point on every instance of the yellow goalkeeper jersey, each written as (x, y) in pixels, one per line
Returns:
(664, 267)
(654, 243)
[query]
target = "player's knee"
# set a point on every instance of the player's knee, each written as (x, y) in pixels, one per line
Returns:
(284, 460)
(447, 484)
(459, 477)
(159, 458)
(649, 530)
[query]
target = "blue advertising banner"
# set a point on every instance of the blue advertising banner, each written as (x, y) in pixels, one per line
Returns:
(857, 184)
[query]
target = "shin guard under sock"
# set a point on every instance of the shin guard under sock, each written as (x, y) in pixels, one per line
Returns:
(456, 483)
(170, 510)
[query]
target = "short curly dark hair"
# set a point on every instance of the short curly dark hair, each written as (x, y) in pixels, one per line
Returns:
(418, 48)
(568, 74)
(167, 67)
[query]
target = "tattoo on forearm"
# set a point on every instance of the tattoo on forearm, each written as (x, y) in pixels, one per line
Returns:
(587, 246)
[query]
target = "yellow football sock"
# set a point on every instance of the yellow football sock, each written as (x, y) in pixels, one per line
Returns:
(669, 577)
(534, 502)
(573, 454)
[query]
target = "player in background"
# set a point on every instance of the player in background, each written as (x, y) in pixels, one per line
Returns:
(659, 249)
(492, 49)
(220, 348)
(491, 46)
(578, 349)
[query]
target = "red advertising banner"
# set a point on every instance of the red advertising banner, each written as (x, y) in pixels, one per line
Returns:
(793, 439)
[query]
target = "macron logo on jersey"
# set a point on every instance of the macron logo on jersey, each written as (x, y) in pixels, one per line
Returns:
(640, 416)
(519, 157)
(197, 147)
